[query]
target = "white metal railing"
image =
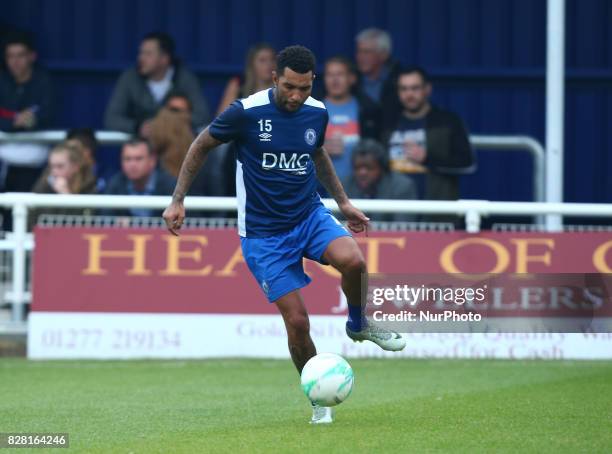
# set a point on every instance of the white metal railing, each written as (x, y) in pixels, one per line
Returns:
(480, 142)
(511, 143)
(518, 143)
(54, 136)
(19, 241)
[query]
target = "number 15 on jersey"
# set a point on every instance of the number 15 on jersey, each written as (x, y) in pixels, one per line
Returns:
(265, 125)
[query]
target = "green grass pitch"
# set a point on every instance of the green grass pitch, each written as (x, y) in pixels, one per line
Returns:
(255, 406)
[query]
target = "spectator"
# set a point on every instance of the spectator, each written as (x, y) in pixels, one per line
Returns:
(140, 176)
(218, 174)
(260, 62)
(377, 69)
(372, 179)
(170, 139)
(86, 139)
(68, 172)
(424, 135)
(140, 91)
(171, 133)
(350, 116)
(27, 103)
(6, 33)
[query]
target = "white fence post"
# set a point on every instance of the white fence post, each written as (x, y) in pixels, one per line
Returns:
(20, 226)
(472, 221)
(555, 92)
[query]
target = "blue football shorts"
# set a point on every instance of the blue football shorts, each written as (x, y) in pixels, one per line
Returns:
(276, 261)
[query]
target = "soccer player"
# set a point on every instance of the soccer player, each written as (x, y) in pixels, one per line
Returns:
(279, 134)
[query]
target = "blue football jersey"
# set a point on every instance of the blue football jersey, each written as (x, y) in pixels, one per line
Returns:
(276, 184)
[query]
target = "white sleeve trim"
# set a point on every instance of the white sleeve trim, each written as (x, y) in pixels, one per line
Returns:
(260, 98)
(314, 103)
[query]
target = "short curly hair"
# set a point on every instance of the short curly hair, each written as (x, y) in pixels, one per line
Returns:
(298, 58)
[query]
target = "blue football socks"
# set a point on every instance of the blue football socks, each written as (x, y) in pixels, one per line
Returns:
(355, 318)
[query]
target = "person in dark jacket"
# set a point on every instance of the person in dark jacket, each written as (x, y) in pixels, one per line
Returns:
(139, 175)
(373, 179)
(140, 91)
(378, 70)
(27, 103)
(427, 138)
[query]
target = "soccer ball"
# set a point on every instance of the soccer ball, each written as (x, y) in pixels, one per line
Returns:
(327, 379)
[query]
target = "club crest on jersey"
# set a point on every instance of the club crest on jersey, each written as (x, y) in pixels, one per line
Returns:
(310, 136)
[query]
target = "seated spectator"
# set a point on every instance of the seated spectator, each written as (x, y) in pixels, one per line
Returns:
(86, 138)
(426, 136)
(372, 179)
(171, 137)
(217, 176)
(350, 116)
(68, 172)
(171, 133)
(139, 176)
(260, 62)
(6, 33)
(377, 69)
(27, 103)
(140, 91)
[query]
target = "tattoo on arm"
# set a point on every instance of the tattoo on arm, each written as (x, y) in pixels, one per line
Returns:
(327, 176)
(195, 158)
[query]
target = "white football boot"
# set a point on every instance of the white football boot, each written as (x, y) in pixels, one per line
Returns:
(384, 338)
(322, 415)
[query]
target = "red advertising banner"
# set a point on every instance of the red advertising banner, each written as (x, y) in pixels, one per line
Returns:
(202, 271)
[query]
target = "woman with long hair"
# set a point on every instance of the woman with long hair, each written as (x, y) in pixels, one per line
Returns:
(171, 133)
(260, 62)
(68, 172)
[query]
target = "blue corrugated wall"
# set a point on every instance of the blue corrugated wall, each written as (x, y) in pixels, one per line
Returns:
(487, 58)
